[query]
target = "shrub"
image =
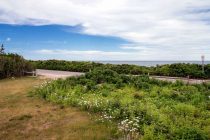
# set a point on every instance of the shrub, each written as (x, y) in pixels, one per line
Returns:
(104, 76)
(184, 110)
(138, 95)
(13, 65)
(190, 133)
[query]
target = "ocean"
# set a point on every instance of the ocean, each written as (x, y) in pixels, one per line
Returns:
(150, 63)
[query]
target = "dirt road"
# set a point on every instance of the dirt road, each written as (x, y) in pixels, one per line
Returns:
(55, 74)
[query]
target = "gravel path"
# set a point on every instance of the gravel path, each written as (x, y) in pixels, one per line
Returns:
(55, 74)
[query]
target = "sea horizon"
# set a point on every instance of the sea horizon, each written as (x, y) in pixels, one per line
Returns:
(149, 63)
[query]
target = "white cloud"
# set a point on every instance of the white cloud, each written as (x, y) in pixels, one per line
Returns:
(138, 54)
(8, 39)
(81, 55)
(73, 52)
(160, 26)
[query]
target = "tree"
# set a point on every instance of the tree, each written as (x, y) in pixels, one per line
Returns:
(2, 49)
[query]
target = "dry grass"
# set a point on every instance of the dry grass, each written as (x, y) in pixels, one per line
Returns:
(23, 117)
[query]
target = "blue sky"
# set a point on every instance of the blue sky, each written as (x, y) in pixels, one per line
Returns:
(34, 42)
(106, 29)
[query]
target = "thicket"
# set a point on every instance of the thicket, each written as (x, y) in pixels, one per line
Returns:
(177, 70)
(183, 70)
(13, 65)
(139, 106)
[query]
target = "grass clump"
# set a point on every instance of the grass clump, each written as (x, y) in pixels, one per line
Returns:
(21, 117)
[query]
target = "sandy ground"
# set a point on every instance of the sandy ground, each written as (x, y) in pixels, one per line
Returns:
(54, 74)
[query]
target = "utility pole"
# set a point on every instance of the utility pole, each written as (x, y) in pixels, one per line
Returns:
(203, 59)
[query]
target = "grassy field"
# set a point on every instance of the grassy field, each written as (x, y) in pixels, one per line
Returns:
(24, 117)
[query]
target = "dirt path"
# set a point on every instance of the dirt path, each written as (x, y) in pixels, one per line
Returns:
(29, 118)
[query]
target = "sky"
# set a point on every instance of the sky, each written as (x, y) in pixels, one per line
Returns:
(106, 29)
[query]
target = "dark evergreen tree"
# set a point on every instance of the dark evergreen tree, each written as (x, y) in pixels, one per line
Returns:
(2, 49)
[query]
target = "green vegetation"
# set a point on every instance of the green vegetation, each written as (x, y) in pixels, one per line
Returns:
(183, 70)
(13, 65)
(141, 107)
(177, 70)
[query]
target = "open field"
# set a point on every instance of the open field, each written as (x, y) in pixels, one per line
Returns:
(23, 117)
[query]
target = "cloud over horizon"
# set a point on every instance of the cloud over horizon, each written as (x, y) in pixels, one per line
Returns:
(157, 29)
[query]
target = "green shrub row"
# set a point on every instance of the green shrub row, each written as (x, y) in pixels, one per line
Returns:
(177, 70)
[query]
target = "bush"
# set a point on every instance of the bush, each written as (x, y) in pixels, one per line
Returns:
(190, 133)
(104, 76)
(13, 65)
(138, 95)
(141, 83)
